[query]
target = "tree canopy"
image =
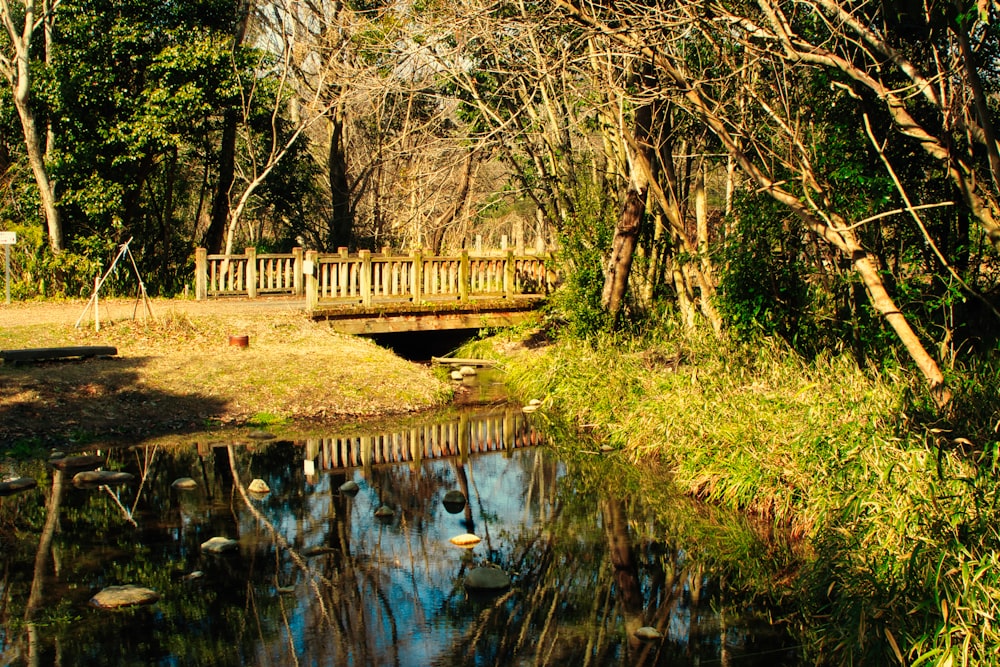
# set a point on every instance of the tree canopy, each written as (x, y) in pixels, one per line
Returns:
(824, 171)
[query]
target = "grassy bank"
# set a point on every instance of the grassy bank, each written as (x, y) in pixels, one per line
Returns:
(899, 513)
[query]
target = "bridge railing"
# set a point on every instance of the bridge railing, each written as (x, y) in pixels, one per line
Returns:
(504, 430)
(368, 278)
(250, 274)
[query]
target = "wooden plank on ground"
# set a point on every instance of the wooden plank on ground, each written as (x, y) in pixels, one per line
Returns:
(44, 353)
(458, 361)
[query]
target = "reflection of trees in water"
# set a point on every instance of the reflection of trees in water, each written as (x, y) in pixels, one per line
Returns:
(588, 568)
(338, 590)
(585, 584)
(88, 538)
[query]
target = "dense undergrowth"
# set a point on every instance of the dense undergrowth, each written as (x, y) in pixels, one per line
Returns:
(898, 506)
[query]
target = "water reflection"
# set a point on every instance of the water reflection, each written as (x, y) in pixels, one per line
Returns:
(318, 579)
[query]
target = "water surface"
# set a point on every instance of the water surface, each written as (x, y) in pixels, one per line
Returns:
(318, 579)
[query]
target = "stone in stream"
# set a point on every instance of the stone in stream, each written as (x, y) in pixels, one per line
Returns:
(648, 632)
(260, 435)
(184, 484)
(454, 501)
(349, 488)
(219, 545)
(83, 462)
(16, 485)
(114, 597)
(259, 486)
(486, 579)
(319, 550)
(102, 477)
(384, 512)
(466, 540)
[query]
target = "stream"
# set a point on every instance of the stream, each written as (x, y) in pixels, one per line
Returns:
(315, 577)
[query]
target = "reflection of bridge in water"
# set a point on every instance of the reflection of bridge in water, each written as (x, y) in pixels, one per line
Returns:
(471, 433)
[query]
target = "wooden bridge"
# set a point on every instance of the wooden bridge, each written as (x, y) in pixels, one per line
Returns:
(502, 430)
(369, 293)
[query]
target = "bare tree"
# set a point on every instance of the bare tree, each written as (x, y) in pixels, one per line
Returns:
(290, 115)
(689, 81)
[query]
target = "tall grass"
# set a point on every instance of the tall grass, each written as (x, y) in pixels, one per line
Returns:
(901, 516)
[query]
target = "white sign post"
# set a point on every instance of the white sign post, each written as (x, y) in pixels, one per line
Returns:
(7, 239)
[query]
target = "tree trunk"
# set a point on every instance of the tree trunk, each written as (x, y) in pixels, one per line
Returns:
(627, 584)
(19, 76)
(342, 215)
(884, 304)
(627, 230)
(36, 158)
(167, 219)
(622, 250)
(216, 232)
(17, 71)
(221, 204)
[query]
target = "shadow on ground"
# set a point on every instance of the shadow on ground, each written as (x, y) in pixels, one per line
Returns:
(82, 400)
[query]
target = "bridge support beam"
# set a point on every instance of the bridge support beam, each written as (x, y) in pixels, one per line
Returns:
(381, 323)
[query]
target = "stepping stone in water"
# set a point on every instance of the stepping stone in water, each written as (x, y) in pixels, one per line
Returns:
(487, 579)
(454, 501)
(16, 485)
(84, 462)
(219, 545)
(465, 540)
(102, 477)
(258, 486)
(115, 597)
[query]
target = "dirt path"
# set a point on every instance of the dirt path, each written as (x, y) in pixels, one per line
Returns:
(30, 313)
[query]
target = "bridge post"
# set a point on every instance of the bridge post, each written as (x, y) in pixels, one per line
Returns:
(463, 277)
(251, 273)
(464, 433)
(200, 274)
(509, 275)
(509, 432)
(365, 279)
(418, 275)
(312, 285)
(297, 271)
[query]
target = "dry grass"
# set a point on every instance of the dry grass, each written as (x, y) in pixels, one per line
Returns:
(179, 371)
